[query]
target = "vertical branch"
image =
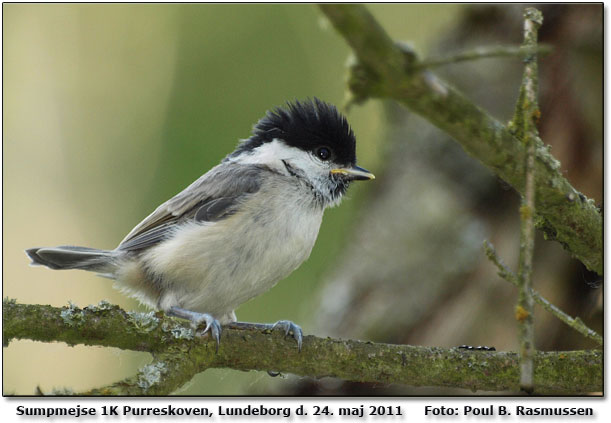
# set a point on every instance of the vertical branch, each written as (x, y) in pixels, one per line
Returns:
(525, 120)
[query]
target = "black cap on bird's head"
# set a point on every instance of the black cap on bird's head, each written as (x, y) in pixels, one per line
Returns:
(314, 127)
(308, 125)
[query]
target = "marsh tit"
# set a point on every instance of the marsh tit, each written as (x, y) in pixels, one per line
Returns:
(237, 230)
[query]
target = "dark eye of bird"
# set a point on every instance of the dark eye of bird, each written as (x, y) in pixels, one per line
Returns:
(323, 153)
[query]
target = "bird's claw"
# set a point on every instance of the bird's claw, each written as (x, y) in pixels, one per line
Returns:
(196, 319)
(212, 325)
(289, 327)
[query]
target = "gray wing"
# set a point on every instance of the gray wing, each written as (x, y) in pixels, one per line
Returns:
(214, 196)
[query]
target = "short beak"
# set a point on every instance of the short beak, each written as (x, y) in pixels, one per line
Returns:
(354, 173)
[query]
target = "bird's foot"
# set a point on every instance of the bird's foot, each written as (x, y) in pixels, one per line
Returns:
(288, 327)
(197, 319)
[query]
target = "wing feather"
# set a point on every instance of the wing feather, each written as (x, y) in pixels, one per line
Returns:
(214, 196)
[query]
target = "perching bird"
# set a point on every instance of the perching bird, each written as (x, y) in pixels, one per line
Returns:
(237, 230)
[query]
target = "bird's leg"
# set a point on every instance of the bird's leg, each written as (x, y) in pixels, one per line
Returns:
(288, 327)
(197, 319)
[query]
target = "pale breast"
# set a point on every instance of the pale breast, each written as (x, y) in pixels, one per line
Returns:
(215, 267)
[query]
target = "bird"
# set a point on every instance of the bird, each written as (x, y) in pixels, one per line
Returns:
(237, 230)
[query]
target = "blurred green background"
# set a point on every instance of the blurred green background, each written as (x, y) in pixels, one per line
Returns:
(109, 110)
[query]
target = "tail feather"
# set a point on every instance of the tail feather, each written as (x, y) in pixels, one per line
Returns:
(69, 257)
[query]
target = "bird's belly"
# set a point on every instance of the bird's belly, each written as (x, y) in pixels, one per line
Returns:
(215, 267)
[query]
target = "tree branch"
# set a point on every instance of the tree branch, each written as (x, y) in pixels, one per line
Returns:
(167, 373)
(482, 53)
(505, 273)
(383, 69)
(525, 120)
(178, 355)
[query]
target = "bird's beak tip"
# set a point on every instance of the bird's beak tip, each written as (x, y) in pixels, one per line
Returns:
(355, 173)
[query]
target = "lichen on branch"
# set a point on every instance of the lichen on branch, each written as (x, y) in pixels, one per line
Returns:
(178, 355)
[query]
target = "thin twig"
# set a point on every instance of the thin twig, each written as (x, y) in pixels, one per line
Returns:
(483, 53)
(527, 112)
(575, 323)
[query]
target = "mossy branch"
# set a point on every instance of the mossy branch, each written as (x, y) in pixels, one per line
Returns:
(178, 355)
(385, 70)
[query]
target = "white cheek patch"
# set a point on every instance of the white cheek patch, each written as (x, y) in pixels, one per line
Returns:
(276, 153)
(273, 153)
